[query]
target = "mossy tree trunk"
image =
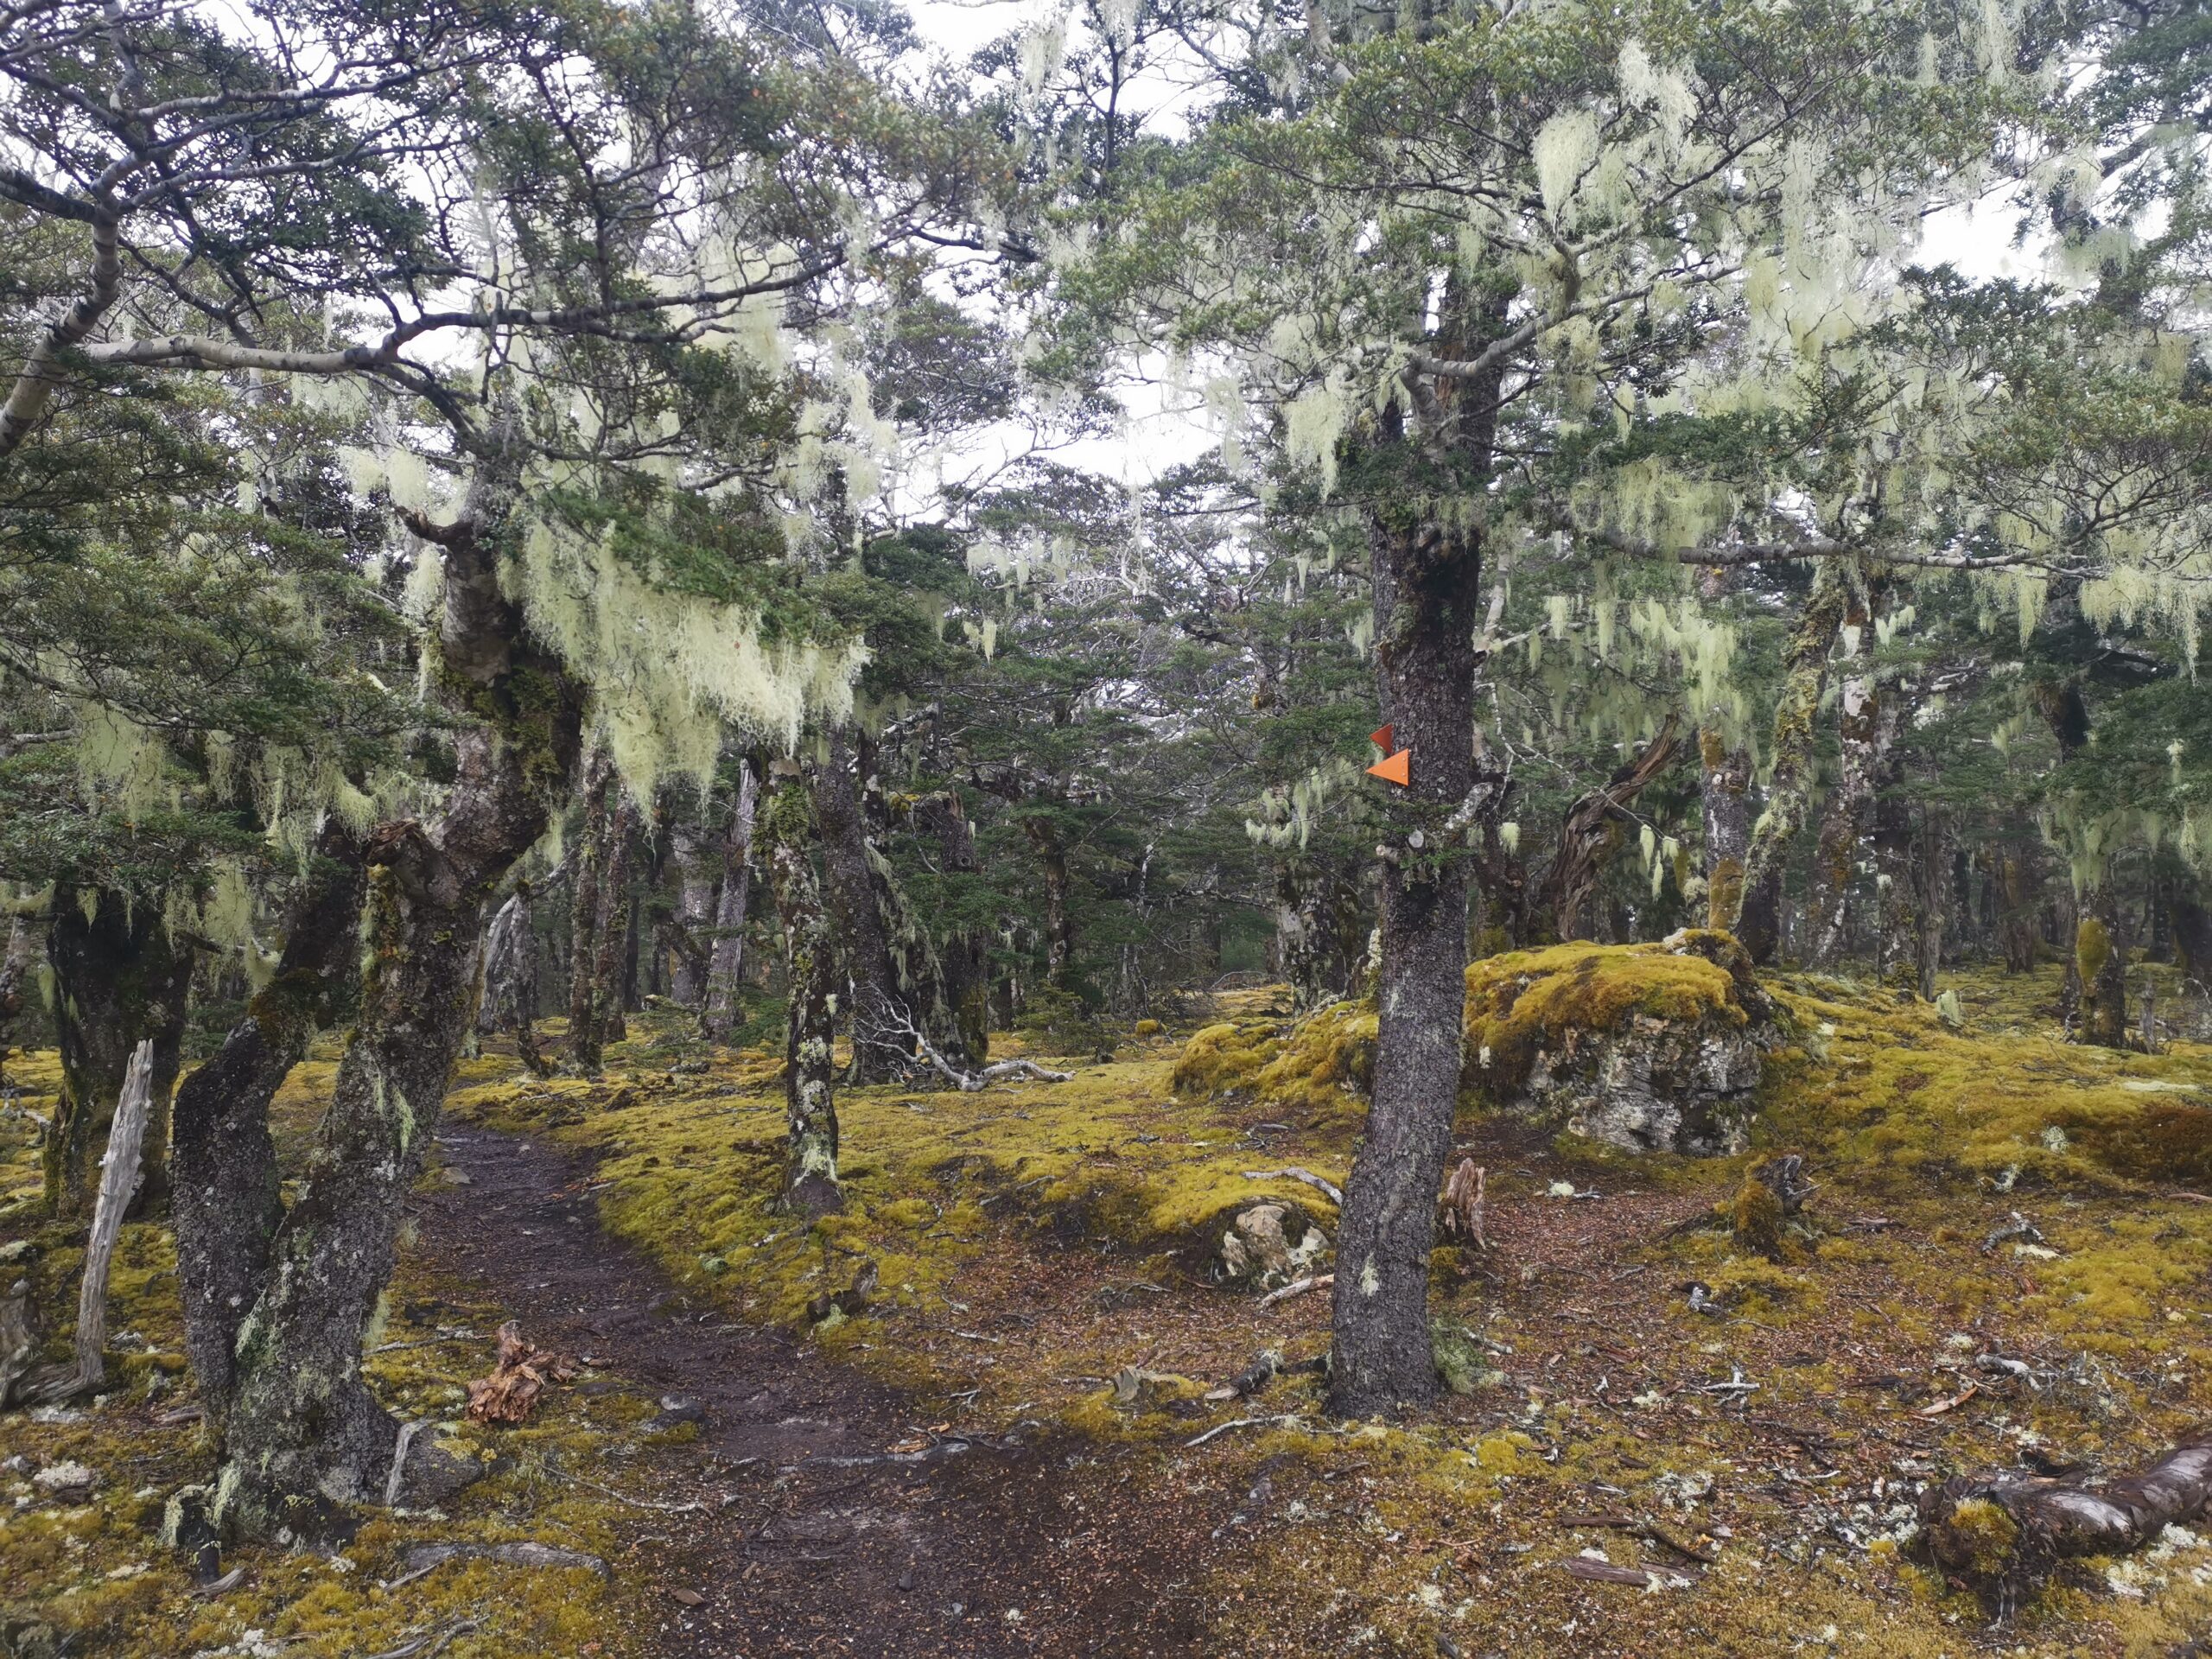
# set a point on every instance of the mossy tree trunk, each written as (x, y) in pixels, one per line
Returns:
(2096, 993)
(726, 960)
(305, 1439)
(585, 892)
(2019, 901)
(809, 1030)
(1043, 829)
(850, 884)
(1317, 929)
(1843, 819)
(1724, 792)
(226, 1202)
(118, 978)
(1805, 666)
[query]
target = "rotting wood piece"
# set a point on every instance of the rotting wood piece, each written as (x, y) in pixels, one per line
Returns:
(518, 1377)
(1459, 1210)
(119, 1181)
(2001, 1535)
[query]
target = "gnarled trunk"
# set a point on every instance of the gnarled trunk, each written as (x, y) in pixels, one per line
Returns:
(725, 961)
(850, 885)
(1427, 584)
(1591, 832)
(809, 1030)
(228, 1205)
(305, 1438)
(698, 861)
(118, 978)
(1316, 930)
(963, 955)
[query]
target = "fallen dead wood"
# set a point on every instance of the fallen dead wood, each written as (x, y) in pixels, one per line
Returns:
(2002, 1535)
(118, 1182)
(1650, 1531)
(518, 1377)
(428, 1647)
(1459, 1211)
(1285, 1421)
(1298, 1287)
(1328, 1189)
(892, 1027)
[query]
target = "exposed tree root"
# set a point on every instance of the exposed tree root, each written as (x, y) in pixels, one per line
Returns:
(2003, 1536)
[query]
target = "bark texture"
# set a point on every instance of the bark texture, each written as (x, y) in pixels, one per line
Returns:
(227, 1199)
(305, 1438)
(1724, 791)
(725, 961)
(963, 952)
(695, 848)
(1427, 590)
(118, 978)
(850, 885)
(1789, 792)
(1843, 819)
(810, 956)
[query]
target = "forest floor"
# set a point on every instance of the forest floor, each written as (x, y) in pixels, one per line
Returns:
(952, 1470)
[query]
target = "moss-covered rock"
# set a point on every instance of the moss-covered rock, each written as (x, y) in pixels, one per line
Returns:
(1643, 1046)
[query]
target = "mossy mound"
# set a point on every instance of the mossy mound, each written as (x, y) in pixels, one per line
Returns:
(1643, 1046)
(1315, 1072)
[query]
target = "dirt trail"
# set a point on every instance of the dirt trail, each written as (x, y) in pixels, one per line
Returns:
(819, 1538)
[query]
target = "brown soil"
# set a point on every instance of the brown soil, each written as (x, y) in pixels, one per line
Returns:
(837, 1518)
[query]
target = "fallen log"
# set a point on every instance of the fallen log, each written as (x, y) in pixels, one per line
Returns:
(2002, 1535)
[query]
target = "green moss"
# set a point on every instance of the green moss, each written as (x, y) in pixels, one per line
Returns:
(1223, 1059)
(1524, 1003)
(1754, 1217)
(2092, 949)
(1975, 1538)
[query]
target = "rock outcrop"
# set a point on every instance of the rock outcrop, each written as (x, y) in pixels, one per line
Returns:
(1648, 1047)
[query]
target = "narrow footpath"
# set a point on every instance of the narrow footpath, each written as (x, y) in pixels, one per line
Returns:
(836, 1516)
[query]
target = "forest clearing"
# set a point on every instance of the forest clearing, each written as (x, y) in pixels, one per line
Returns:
(1121, 827)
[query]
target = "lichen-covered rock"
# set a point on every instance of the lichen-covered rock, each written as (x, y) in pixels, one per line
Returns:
(1648, 1047)
(1269, 1244)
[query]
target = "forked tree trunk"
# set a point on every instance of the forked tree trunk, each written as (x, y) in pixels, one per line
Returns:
(1428, 588)
(1725, 786)
(1805, 677)
(118, 978)
(726, 961)
(227, 1202)
(305, 1438)
(810, 958)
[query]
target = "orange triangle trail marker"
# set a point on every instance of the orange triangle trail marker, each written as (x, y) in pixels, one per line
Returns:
(1384, 737)
(1398, 769)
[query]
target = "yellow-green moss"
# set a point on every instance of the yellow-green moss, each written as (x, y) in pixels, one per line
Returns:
(1524, 1003)
(1977, 1537)
(1223, 1059)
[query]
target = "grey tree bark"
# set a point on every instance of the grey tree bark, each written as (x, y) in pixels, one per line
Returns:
(725, 961)
(1724, 790)
(228, 1205)
(810, 956)
(1843, 819)
(305, 1438)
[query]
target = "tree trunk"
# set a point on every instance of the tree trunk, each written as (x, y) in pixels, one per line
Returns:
(587, 895)
(1934, 873)
(726, 961)
(1805, 677)
(1724, 784)
(18, 960)
(1310, 942)
(1843, 822)
(118, 977)
(1591, 833)
(2101, 969)
(699, 878)
(849, 885)
(1427, 585)
(2019, 894)
(810, 1031)
(227, 1203)
(1043, 833)
(306, 1439)
(963, 954)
